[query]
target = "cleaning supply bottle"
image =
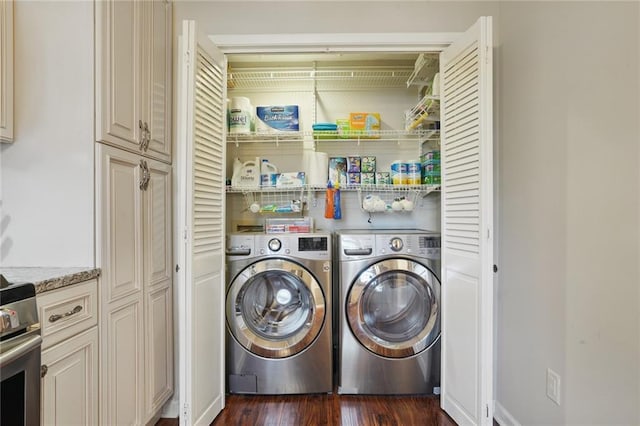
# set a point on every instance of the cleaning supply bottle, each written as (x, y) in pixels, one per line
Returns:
(268, 173)
(337, 211)
(328, 201)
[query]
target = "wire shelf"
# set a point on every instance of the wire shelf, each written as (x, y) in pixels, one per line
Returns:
(423, 114)
(304, 79)
(297, 137)
(275, 201)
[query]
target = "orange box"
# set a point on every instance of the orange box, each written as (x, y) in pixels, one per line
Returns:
(366, 124)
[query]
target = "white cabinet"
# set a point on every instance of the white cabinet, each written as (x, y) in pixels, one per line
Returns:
(6, 71)
(136, 291)
(133, 76)
(69, 355)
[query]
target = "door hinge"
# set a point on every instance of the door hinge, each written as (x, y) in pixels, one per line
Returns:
(185, 235)
(185, 410)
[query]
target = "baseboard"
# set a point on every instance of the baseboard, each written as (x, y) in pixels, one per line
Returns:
(503, 417)
(171, 409)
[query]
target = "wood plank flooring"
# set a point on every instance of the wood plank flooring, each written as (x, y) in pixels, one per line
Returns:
(329, 410)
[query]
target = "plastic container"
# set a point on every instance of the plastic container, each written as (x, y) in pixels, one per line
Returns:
(398, 173)
(268, 173)
(247, 176)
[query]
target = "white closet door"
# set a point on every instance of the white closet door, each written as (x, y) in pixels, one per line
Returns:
(201, 135)
(467, 228)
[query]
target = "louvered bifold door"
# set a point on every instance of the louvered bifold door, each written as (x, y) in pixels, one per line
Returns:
(467, 226)
(201, 135)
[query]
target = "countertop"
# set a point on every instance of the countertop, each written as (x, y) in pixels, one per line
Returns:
(46, 279)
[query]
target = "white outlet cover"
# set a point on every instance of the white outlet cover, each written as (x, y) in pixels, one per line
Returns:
(553, 386)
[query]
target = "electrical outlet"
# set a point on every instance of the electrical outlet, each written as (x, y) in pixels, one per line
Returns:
(553, 386)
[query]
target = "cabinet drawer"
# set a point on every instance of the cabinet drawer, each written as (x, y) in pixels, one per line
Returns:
(67, 311)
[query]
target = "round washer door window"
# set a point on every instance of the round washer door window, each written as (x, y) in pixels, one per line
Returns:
(275, 308)
(393, 308)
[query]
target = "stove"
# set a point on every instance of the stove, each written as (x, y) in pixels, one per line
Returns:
(20, 343)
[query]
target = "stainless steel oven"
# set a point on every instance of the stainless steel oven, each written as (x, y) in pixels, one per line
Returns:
(20, 343)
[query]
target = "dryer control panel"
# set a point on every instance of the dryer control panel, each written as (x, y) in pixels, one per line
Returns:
(427, 246)
(359, 245)
(303, 246)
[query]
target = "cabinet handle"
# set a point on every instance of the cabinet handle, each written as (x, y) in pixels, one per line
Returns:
(143, 135)
(56, 317)
(43, 370)
(146, 176)
(147, 137)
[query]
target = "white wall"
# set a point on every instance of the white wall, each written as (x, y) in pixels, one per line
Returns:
(47, 173)
(569, 193)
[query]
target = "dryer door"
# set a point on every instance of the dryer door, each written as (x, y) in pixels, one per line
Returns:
(393, 308)
(275, 308)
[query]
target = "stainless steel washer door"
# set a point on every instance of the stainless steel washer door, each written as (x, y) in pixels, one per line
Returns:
(275, 308)
(393, 308)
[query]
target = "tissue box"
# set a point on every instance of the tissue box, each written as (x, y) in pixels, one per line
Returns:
(365, 124)
(277, 118)
(284, 225)
(290, 180)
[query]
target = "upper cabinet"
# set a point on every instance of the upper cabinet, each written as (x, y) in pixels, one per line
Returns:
(6, 71)
(133, 66)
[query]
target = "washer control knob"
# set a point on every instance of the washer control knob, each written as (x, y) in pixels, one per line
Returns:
(274, 244)
(396, 244)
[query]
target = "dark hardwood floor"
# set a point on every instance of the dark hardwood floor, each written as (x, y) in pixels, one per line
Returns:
(330, 410)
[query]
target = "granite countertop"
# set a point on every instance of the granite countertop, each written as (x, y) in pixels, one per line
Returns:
(46, 279)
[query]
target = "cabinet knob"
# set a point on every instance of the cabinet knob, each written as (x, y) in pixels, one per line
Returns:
(43, 370)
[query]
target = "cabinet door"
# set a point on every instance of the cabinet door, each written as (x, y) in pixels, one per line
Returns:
(158, 289)
(120, 255)
(6, 71)
(159, 349)
(70, 385)
(120, 220)
(118, 73)
(156, 98)
(122, 374)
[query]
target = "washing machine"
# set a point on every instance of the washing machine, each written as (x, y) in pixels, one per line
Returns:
(278, 313)
(389, 312)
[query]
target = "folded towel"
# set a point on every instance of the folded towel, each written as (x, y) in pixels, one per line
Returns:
(325, 126)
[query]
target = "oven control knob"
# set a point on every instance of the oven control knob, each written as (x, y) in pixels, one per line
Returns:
(395, 244)
(274, 244)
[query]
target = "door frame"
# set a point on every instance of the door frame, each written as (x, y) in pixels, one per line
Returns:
(339, 42)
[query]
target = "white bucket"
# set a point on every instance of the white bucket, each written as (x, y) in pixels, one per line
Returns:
(240, 115)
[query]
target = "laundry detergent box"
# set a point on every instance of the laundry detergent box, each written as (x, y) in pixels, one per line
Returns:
(353, 164)
(365, 124)
(338, 170)
(277, 118)
(368, 164)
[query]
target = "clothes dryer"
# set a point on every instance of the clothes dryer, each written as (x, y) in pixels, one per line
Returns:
(389, 312)
(278, 313)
